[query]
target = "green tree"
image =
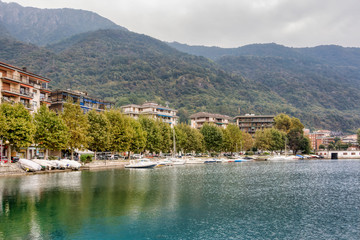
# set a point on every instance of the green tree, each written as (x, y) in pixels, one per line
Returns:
(51, 133)
(166, 140)
(20, 128)
(138, 141)
(296, 124)
(277, 139)
(213, 137)
(153, 134)
(98, 132)
(181, 138)
(77, 124)
(358, 136)
(283, 122)
(4, 126)
(322, 147)
(297, 141)
(262, 140)
(248, 141)
(121, 131)
(189, 139)
(233, 139)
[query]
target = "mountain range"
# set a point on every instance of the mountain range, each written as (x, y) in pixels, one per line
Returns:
(319, 85)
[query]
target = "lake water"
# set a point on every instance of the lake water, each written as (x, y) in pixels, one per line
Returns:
(253, 200)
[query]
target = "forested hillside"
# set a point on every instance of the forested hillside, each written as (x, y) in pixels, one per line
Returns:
(321, 85)
(44, 26)
(125, 67)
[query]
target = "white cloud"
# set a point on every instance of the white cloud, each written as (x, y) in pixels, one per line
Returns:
(229, 23)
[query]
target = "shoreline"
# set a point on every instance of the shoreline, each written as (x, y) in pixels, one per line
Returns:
(14, 169)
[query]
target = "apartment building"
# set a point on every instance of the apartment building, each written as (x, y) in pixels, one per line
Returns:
(250, 123)
(320, 137)
(153, 110)
(199, 119)
(87, 103)
(19, 85)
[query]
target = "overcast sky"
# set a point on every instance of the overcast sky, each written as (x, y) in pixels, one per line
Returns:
(229, 23)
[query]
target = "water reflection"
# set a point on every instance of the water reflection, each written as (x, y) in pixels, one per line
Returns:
(242, 201)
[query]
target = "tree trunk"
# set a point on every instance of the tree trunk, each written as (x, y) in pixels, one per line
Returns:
(46, 154)
(72, 154)
(9, 153)
(95, 155)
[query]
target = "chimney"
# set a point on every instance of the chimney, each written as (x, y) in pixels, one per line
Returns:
(24, 69)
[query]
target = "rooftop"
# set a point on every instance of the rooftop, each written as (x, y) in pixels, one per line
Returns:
(23, 71)
(79, 94)
(254, 116)
(205, 114)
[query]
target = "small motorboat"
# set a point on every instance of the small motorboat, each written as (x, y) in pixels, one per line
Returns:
(165, 162)
(44, 163)
(71, 164)
(60, 164)
(29, 166)
(242, 160)
(141, 163)
(210, 160)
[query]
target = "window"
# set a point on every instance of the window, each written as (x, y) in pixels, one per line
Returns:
(353, 153)
(344, 153)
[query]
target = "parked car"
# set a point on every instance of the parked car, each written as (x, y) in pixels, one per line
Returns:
(4, 159)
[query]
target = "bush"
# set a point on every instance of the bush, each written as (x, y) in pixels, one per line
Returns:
(53, 158)
(249, 153)
(86, 158)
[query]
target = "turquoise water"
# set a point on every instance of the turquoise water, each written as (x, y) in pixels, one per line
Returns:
(254, 200)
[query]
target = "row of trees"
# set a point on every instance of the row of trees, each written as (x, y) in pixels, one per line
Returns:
(287, 132)
(110, 131)
(113, 131)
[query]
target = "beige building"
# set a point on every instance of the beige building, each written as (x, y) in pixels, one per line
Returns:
(19, 85)
(153, 110)
(199, 119)
(250, 123)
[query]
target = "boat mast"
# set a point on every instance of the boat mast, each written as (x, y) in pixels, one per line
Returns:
(174, 143)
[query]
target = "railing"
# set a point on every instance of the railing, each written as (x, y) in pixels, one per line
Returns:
(25, 93)
(45, 99)
(23, 80)
(28, 106)
(5, 99)
(45, 88)
(18, 92)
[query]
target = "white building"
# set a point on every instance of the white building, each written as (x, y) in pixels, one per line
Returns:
(199, 119)
(339, 154)
(153, 110)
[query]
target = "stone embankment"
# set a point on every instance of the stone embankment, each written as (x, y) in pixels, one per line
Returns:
(13, 169)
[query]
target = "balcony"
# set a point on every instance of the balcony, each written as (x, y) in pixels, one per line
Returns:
(22, 80)
(45, 99)
(28, 106)
(45, 88)
(14, 91)
(8, 100)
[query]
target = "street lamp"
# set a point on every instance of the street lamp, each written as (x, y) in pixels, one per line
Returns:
(1, 148)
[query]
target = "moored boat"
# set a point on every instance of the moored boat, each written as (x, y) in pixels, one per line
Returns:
(177, 161)
(141, 163)
(29, 166)
(71, 164)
